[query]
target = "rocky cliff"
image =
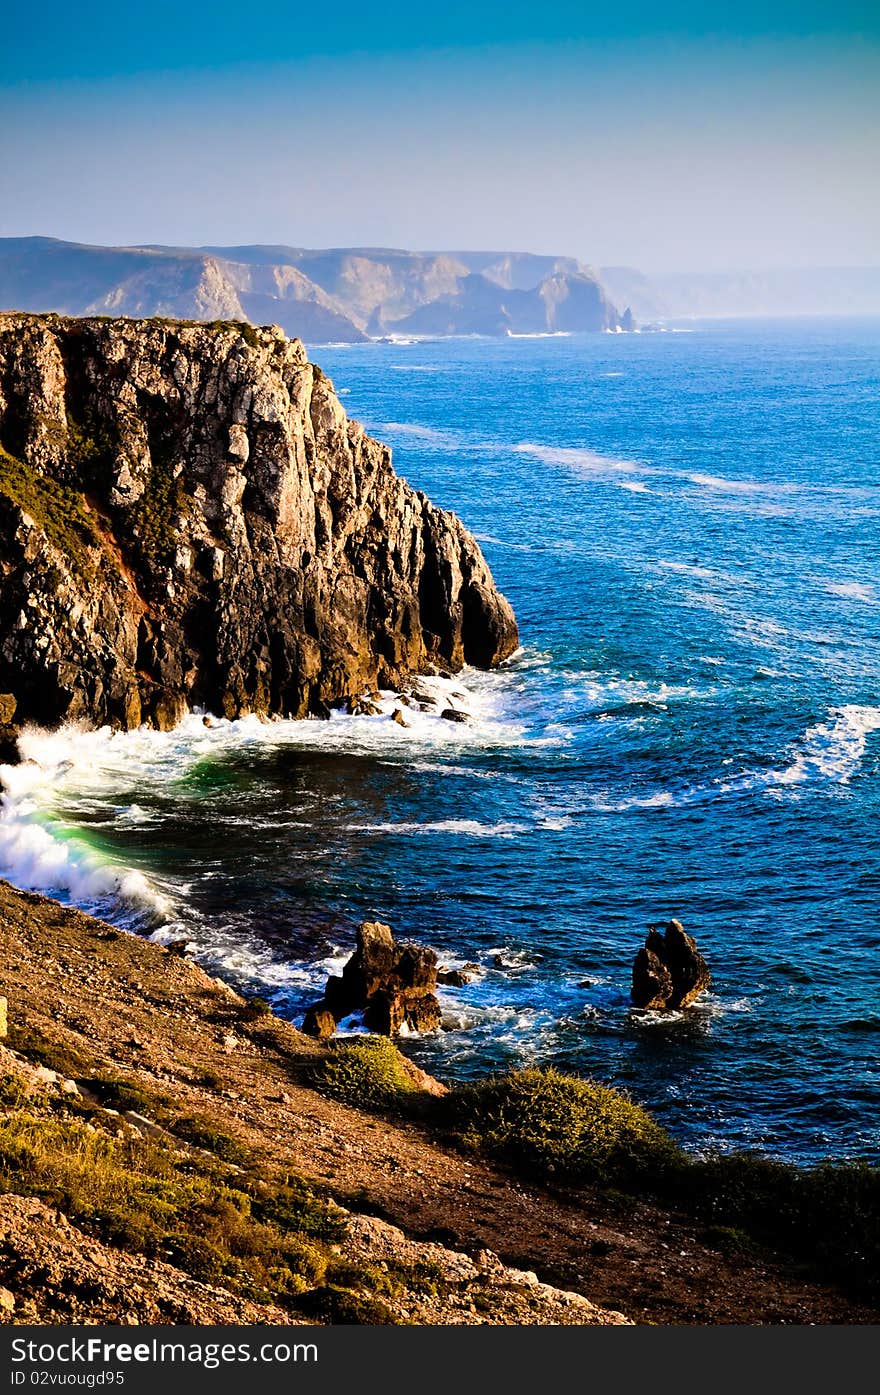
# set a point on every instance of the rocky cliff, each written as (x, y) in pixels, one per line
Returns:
(188, 517)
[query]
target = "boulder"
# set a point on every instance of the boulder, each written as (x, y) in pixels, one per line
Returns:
(393, 985)
(669, 972)
(8, 705)
(450, 714)
(319, 1022)
(458, 978)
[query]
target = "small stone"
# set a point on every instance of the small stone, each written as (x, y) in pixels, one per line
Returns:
(8, 704)
(7, 1301)
(398, 717)
(451, 714)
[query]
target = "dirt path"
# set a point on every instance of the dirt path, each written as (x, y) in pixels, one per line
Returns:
(119, 1005)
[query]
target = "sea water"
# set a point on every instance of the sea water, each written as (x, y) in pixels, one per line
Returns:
(688, 527)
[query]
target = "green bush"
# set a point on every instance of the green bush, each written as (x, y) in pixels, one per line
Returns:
(341, 1305)
(827, 1215)
(367, 1073)
(545, 1123)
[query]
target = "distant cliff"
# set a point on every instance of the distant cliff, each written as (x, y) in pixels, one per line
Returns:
(188, 517)
(343, 294)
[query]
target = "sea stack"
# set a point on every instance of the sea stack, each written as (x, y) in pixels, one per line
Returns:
(669, 972)
(393, 985)
(188, 518)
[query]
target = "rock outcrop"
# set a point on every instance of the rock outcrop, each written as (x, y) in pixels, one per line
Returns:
(187, 517)
(392, 984)
(669, 972)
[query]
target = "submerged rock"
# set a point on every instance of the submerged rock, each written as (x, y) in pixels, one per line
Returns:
(669, 972)
(189, 519)
(392, 985)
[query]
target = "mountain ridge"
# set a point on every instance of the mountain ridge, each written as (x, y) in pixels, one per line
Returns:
(319, 295)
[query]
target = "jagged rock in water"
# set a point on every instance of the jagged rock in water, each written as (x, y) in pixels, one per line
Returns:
(458, 978)
(391, 984)
(669, 972)
(187, 517)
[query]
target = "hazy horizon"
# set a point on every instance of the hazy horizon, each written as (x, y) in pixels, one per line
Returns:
(723, 141)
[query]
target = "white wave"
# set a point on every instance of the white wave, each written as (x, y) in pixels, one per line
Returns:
(634, 486)
(661, 799)
(431, 435)
(688, 569)
(853, 590)
(541, 334)
(80, 769)
(830, 752)
(732, 486)
(39, 854)
(470, 828)
(579, 458)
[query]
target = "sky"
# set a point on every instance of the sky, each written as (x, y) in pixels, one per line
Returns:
(673, 136)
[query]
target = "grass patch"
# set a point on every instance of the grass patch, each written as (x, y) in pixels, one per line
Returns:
(366, 1073)
(343, 1306)
(542, 1123)
(57, 510)
(66, 1060)
(266, 1237)
(202, 1134)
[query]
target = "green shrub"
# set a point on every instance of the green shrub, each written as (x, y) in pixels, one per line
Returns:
(545, 1123)
(342, 1305)
(203, 1134)
(292, 1206)
(827, 1215)
(367, 1073)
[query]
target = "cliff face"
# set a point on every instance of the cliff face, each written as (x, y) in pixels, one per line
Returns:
(188, 517)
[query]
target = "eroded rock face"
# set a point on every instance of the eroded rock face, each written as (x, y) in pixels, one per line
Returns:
(392, 984)
(187, 517)
(669, 972)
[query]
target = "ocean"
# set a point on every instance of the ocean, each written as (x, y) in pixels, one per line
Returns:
(688, 527)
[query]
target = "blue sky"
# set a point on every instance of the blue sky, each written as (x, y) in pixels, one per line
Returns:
(692, 136)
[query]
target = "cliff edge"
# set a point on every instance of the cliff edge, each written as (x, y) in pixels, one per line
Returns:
(188, 517)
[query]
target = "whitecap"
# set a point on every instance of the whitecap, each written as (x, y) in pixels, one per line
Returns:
(853, 590)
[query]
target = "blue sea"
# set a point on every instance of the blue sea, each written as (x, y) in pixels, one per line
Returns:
(688, 527)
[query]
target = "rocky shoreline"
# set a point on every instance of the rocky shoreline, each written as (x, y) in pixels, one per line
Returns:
(116, 1036)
